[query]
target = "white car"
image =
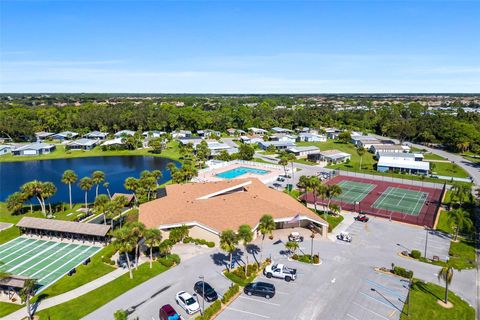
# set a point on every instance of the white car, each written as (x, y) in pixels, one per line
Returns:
(280, 271)
(344, 236)
(187, 302)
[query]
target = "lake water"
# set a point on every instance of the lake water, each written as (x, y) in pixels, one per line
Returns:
(117, 169)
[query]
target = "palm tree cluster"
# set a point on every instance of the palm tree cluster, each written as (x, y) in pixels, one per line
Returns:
(229, 240)
(127, 241)
(39, 190)
(318, 189)
(185, 173)
(110, 208)
(144, 188)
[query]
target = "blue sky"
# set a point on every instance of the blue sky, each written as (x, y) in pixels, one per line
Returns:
(240, 46)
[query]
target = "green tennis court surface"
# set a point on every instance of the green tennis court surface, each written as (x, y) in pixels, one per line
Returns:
(353, 191)
(401, 200)
(46, 261)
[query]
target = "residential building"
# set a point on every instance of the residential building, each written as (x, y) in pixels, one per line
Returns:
(113, 142)
(311, 137)
(279, 145)
(331, 156)
(283, 137)
(82, 144)
(402, 164)
(153, 134)
(257, 131)
(364, 141)
(234, 132)
(216, 147)
(34, 149)
(208, 133)
(303, 152)
(42, 135)
(65, 135)
(124, 133)
(332, 133)
(97, 135)
(416, 156)
(280, 130)
(396, 148)
(5, 149)
(179, 134)
(251, 139)
(209, 208)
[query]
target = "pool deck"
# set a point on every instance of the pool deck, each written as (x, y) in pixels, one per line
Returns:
(209, 174)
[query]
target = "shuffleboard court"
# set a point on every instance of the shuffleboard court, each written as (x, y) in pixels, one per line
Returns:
(353, 191)
(401, 200)
(44, 260)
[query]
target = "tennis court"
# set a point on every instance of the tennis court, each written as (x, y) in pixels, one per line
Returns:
(44, 260)
(353, 191)
(401, 200)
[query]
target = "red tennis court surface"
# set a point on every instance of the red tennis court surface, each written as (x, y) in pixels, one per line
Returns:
(423, 217)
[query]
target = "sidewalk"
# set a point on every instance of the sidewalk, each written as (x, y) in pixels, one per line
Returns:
(348, 219)
(67, 296)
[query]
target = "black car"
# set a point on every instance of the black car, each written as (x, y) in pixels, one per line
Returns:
(261, 289)
(210, 295)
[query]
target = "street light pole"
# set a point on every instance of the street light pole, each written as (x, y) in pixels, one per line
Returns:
(426, 243)
(203, 294)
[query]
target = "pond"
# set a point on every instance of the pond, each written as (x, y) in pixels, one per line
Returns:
(116, 168)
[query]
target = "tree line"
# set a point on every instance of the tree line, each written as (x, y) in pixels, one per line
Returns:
(412, 121)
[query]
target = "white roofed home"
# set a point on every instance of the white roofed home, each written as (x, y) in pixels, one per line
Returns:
(402, 163)
(281, 130)
(331, 156)
(124, 133)
(65, 135)
(303, 152)
(311, 137)
(375, 148)
(279, 145)
(33, 149)
(98, 135)
(257, 130)
(82, 144)
(5, 148)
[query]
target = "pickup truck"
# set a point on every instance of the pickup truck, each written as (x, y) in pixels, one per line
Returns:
(280, 271)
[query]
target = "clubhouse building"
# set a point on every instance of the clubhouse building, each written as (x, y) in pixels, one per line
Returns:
(212, 207)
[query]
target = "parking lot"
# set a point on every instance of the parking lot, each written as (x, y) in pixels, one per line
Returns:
(345, 286)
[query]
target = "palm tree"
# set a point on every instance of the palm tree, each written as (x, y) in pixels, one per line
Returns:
(153, 238)
(361, 152)
(265, 227)
(106, 185)
(97, 178)
(100, 206)
(245, 235)
(132, 185)
(302, 183)
(69, 177)
(137, 230)
(460, 220)
(27, 292)
(314, 185)
(228, 243)
(292, 246)
(334, 208)
(34, 189)
(86, 183)
(124, 243)
(332, 191)
(460, 191)
(114, 208)
(48, 191)
(446, 274)
(15, 202)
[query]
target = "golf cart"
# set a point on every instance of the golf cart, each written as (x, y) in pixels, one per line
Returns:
(344, 236)
(295, 236)
(361, 217)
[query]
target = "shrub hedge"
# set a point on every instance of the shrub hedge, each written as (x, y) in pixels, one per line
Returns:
(232, 291)
(204, 242)
(402, 272)
(415, 254)
(169, 260)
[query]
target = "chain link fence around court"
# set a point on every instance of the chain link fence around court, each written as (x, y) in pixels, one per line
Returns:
(424, 217)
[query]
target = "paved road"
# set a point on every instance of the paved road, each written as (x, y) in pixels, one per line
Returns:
(344, 274)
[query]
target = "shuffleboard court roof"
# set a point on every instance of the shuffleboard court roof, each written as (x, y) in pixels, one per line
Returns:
(89, 229)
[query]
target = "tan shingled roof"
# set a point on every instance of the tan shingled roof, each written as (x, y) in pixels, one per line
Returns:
(221, 212)
(90, 229)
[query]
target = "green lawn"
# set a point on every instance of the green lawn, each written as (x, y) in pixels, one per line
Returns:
(7, 308)
(462, 254)
(95, 269)
(83, 305)
(432, 156)
(443, 223)
(449, 169)
(423, 304)
(333, 221)
(171, 151)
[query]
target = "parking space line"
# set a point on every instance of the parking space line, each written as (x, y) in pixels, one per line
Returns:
(251, 313)
(391, 305)
(375, 313)
(348, 314)
(280, 292)
(257, 300)
(393, 292)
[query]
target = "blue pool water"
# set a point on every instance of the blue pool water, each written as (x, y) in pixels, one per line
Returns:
(234, 173)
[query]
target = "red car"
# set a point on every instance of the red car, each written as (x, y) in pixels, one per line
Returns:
(168, 313)
(361, 218)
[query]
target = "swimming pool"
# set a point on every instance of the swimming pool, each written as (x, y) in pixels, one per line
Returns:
(234, 173)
